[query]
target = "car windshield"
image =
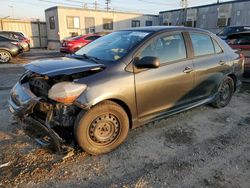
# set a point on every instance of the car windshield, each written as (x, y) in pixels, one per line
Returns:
(114, 46)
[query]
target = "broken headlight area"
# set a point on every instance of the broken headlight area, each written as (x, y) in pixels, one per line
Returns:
(48, 120)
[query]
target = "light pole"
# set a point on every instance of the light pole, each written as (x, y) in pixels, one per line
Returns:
(12, 11)
(184, 4)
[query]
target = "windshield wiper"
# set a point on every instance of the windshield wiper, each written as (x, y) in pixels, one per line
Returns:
(94, 59)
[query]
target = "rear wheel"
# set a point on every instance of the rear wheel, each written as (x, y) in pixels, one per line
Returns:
(225, 93)
(101, 129)
(5, 56)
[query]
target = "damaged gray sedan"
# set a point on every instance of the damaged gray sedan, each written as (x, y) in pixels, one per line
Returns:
(123, 80)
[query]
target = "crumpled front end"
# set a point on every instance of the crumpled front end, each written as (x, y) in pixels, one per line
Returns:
(50, 122)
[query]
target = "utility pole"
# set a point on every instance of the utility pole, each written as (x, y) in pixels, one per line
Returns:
(85, 5)
(218, 1)
(107, 4)
(184, 5)
(12, 11)
(96, 5)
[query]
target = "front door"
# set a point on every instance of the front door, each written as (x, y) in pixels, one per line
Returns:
(168, 86)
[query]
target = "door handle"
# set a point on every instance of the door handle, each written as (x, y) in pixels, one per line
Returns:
(222, 62)
(187, 70)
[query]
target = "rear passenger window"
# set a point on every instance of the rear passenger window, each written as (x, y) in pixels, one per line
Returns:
(167, 48)
(3, 39)
(243, 40)
(202, 44)
(217, 48)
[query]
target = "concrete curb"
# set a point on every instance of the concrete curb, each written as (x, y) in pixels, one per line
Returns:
(11, 66)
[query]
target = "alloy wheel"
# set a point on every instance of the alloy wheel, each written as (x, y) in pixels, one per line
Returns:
(4, 57)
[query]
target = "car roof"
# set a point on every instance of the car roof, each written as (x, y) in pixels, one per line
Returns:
(165, 28)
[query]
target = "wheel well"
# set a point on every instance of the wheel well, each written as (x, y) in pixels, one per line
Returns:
(4, 50)
(126, 108)
(234, 79)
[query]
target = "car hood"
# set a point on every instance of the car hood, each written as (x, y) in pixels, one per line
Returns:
(59, 66)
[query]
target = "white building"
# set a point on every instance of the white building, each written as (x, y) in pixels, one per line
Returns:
(65, 21)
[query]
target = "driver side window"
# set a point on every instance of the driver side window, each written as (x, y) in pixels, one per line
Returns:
(167, 48)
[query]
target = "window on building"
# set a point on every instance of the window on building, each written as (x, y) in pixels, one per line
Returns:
(222, 22)
(73, 22)
(202, 44)
(149, 23)
(52, 22)
(189, 23)
(108, 24)
(90, 24)
(135, 23)
(228, 21)
(167, 48)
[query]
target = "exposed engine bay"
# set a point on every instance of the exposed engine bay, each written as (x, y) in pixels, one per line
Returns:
(61, 114)
(57, 117)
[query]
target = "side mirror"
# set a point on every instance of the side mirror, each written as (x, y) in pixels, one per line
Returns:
(148, 62)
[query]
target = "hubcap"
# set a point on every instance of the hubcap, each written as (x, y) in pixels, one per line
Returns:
(104, 129)
(225, 91)
(4, 57)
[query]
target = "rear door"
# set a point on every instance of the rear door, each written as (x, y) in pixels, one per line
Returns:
(210, 64)
(168, 86)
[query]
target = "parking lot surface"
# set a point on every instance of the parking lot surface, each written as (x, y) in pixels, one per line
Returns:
(202, 147)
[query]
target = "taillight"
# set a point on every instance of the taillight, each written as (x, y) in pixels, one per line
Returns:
(16, 43)
(28, 41)
(242, 57)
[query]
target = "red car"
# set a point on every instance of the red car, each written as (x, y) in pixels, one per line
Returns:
(241, 42)
(71, 45)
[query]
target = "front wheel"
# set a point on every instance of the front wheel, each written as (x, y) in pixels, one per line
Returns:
(225, 93)
(5, 56)
(101, 129)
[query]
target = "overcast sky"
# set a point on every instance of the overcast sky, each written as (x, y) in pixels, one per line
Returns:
(34, 9)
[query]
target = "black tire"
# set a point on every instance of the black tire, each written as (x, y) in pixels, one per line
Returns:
(225, 93)
(5, 56)
(101, 129)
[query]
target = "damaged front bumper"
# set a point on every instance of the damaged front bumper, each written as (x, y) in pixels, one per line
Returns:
(21, 104)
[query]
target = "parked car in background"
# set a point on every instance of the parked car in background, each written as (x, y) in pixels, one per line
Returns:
(72, 44)
(241, 42)
(123, 80)
(24, 41)
(224, 33)
(8, 48)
